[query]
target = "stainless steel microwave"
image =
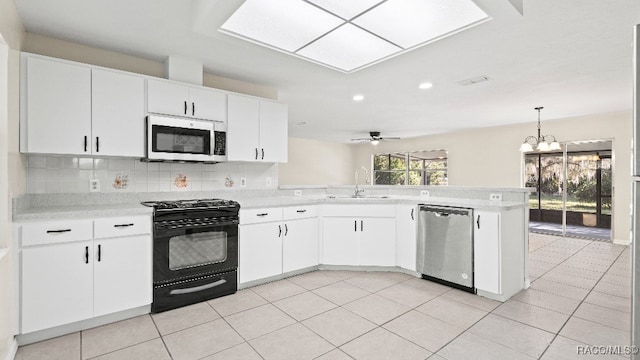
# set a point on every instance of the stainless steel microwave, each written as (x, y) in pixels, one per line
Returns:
(181, 139)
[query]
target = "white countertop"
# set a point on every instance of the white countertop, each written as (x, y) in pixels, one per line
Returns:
(83, 211)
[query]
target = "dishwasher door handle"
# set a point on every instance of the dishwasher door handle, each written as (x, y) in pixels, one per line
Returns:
(442, 214)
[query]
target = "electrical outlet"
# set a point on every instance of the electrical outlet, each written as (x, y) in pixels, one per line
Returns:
(268, 182)
(297, 192)
(243, 182)
(424, 193)
(94, 185)
(495, 197)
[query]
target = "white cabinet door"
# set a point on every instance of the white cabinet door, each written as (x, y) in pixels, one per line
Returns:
(167, 98)
(486, 251)
(273, 131)
(300, 244)
(208, 104)
(406, 232)
(243, 130)
(122, 273)
(57, 285)
(58, 108)
(260, 251)
(377, 241)
(117, 114)
(340, 241)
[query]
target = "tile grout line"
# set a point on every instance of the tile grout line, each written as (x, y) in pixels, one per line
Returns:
(577, 307)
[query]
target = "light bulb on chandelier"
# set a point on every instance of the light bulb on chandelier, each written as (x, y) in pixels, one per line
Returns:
(540, 143)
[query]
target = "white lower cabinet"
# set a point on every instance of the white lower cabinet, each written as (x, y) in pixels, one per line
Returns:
(359, 235)
(499, 252)
(277, 240)
(260, 251)
(406, 234)
(68, 274)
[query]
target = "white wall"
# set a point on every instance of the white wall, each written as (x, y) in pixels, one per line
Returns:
(313, 162)
(490, 156)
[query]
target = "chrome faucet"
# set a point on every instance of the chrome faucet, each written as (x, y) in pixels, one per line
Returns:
(366, 174)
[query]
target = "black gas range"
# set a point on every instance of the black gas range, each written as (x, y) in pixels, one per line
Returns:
(195, 251)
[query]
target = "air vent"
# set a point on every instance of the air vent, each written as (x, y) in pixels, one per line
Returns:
(474, 80)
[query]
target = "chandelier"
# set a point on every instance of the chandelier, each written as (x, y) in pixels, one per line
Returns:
(539, 143)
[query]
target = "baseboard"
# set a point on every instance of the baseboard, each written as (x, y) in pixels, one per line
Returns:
(621, 242)
(13, 349)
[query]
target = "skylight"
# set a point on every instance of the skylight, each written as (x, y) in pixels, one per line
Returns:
(350, 35)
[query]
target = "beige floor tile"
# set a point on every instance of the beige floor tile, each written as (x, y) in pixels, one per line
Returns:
(304, 306)
(344, 274)
(476, 301)
(584, 283)
(341, 293)
(436, 357)
(604, 316)
(588, 264)
(118, 335)
(314, 280)
(613, 289)
(339, 326)
(371, 282)
(179, 319)
(547, 300)
(238, 352)
(567, 349)
(242, 300)
(560, 289)
(618, 280)
(532, 315)
(382, 344)
(202, 340)
(150, 350)
(452, 312)
(576, 272)
(294, 342)
(470, 346)
(259, 321)
(393, 275)
(278, 290)
(335, 354)
(377, 309)
(407, 295)
(512, 334)
(65, 347)
(423, 330)
(541, 265)
(427, 285)
(609, 301)
(592, 333)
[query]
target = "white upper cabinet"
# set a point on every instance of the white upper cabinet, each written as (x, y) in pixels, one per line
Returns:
(76, 110)
(181, 100)
(256, 130)
(117, 114)
(56, 108)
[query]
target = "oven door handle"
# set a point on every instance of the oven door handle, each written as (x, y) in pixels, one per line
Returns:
(197, 288)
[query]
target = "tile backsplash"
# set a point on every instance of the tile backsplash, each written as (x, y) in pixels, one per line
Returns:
(65, 174)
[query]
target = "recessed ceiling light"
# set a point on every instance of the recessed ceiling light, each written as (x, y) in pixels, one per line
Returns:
(358, 97)
(425, 85)
(348, 36)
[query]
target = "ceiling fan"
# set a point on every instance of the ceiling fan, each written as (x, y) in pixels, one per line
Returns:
(374, 138)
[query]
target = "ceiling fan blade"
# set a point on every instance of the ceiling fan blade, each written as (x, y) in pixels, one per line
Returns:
(361, 139)
(389, 138)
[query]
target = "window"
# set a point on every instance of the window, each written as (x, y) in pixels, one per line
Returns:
(412, 168)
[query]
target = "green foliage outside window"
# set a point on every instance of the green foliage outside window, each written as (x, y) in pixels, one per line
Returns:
(424, 168)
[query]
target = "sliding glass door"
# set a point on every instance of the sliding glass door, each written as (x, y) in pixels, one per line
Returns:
(573, 190)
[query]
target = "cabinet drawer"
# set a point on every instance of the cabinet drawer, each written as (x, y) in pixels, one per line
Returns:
(369, 210)
(299, 212)
(56, 232)
(122, 226)
(256, 216)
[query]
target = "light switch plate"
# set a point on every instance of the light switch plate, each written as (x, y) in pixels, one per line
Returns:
(243, 182)
(94, 185)
(495, 197)
(297, 192)
(424, 193)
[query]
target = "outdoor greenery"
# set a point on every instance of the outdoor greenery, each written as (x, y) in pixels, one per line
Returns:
(582, 177)
(391, 169)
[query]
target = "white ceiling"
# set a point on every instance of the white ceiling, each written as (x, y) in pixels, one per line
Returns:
(571, 56)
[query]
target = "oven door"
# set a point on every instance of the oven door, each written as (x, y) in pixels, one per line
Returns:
(179, 139)
(188, 252)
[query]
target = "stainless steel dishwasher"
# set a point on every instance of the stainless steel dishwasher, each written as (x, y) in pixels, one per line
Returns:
(445, 245)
